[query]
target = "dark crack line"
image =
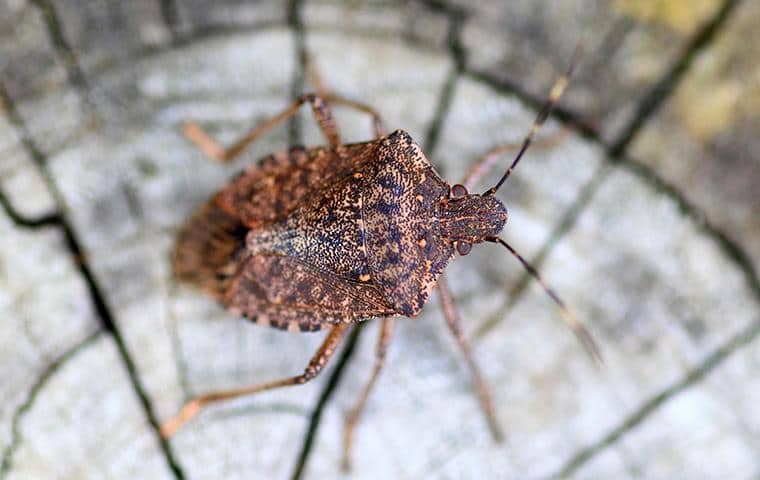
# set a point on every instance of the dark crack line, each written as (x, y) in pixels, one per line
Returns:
(661, 91)
(442, 108)
(728, 245)
(47, 220)
(742, 339)
(104, 315)
(177, 346)
(454, 12)
(64, 51)
(566, 116)
(196, 35)
(647, 107)
(60, 220)
(171, 17)
(616, 152)
(324, 397)
(458, 54)
(52, 368)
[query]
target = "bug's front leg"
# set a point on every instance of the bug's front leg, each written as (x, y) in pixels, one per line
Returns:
(481, 388)
(312, 73)
(386, 334)
(487, 161)
(315, 366)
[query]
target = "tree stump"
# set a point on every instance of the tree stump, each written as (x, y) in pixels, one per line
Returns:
(630, 219)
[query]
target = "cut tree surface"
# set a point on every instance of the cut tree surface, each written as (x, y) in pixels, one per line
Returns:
(99, 344)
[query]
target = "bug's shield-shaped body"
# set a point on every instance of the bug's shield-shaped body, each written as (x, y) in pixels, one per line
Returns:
(321, 236)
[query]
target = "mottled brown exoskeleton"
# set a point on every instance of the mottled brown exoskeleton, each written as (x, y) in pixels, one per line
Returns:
(327, 236)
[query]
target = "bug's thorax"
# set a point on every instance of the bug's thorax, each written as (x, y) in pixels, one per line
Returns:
(471, 218)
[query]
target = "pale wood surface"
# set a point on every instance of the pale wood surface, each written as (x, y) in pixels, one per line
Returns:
(654, 242)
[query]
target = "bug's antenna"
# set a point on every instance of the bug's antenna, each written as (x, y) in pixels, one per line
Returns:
(554, 95)
(567, 315)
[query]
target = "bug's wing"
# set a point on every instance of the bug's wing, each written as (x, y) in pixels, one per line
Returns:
(404, 244)
(283, 292)
(272, 188)
(211, 244)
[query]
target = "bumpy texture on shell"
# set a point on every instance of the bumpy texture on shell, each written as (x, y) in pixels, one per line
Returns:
(317, 236)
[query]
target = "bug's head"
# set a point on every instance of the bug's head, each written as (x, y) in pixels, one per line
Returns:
(471, 218)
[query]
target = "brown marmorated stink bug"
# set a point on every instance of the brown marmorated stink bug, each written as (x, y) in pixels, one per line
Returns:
(327, 236)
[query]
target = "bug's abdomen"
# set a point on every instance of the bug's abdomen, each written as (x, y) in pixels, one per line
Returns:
(209, 249)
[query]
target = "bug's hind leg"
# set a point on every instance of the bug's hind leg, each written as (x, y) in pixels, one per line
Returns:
(481, 388)
(315, 366)
(386, 334)
(213, 149)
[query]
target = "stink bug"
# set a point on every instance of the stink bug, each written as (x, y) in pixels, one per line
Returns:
(327, 236)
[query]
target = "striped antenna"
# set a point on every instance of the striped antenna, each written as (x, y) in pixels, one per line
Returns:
(567, 315)
(554, 96)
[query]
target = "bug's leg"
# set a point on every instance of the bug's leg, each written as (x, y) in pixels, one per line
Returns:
(312, 73)
(377, 121)
(213, 149)
(386, 334)
(481, 388)
(318, 361)
(486, 162)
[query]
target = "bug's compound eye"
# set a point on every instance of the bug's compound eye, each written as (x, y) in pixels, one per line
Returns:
(458, 191)
(463, 248)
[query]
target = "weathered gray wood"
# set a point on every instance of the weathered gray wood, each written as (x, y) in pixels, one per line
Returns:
(20, 180)
(199, 15)
(415, 22)
(629, 46)
(28, 63)
(81, 428)
(660, 295)
(46, 314)
(671, 302)
(706, 144)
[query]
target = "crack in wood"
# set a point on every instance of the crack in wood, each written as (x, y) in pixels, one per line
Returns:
(742, 339)
(47, 220)
(177, 347)
(170, 16)
(456, 50)
(661, 91)
(564, 115)
(34, 390)
(324, 397)
(72, 243)
(61, 46)
(616, 154)
(647, 107)
(732, 249)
